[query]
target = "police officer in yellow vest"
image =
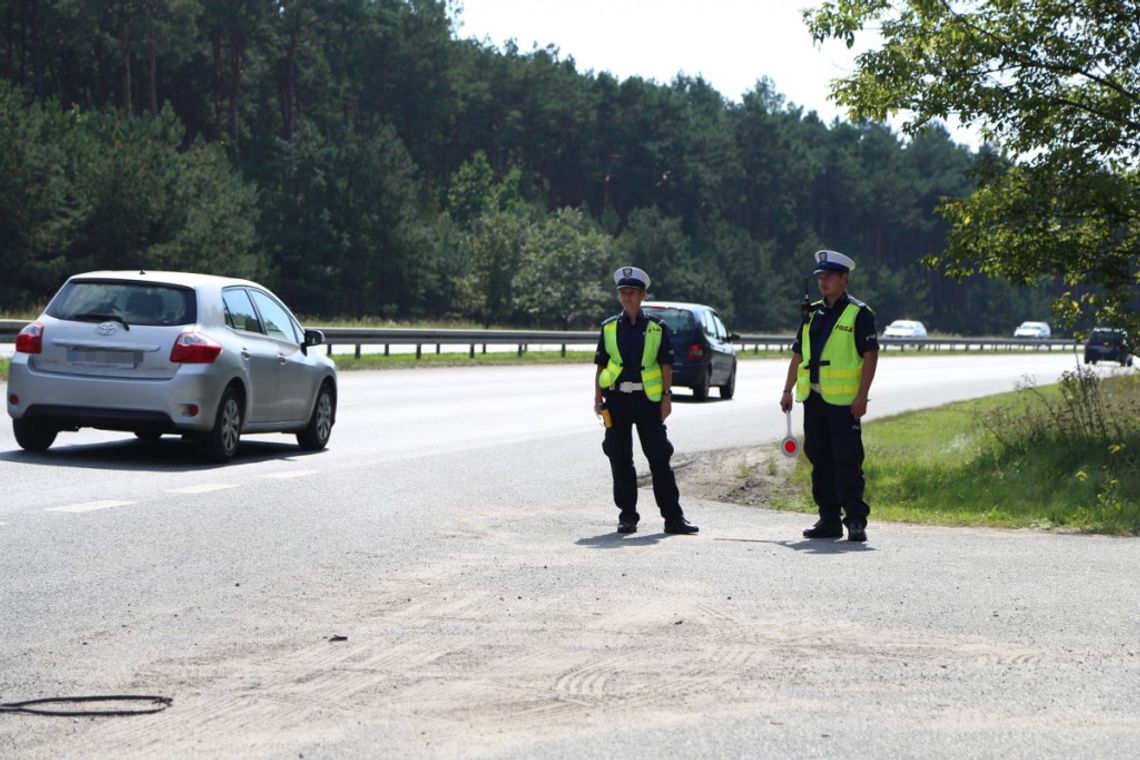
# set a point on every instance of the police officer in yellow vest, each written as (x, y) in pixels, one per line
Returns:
(633, 386)
(838, 337)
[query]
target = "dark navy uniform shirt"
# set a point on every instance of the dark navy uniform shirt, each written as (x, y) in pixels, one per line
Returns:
(824, 319)
(631, 344)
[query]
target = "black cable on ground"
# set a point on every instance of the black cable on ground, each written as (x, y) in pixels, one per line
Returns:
(28, 706)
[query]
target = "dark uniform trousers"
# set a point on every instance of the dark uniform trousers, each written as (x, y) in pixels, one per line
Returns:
(627, 410)
(833, 443)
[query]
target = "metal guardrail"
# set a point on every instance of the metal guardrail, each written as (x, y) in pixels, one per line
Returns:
(982, 344)
(419, 337)
(523, 339)
(9, 328)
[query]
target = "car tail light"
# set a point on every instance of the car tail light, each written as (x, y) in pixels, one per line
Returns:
(194, 348)
(30, 340)
(696, 352)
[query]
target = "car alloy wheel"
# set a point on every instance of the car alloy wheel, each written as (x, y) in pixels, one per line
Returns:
(220, 443)
(316, 435)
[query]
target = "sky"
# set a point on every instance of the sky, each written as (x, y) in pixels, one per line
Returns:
(730, 43)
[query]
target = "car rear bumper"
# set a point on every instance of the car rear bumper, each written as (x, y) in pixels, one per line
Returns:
(187, 401)
(1106, 353)
(104, 419)
(688, 375)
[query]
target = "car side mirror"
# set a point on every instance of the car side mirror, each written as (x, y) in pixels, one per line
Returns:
(314, 337)
(734, 337)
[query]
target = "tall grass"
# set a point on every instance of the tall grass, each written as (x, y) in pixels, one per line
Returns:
(1062, 456)
(1082, 440)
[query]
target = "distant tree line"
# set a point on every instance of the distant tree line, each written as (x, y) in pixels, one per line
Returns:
(363, 162)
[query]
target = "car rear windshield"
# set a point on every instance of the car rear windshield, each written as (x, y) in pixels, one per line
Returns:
(135, 303)
(1106, 337)
(679, 321)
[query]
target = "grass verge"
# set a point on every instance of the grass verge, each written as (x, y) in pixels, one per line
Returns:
(1063, 457)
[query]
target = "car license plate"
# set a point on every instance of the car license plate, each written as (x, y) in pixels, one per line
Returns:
(86, 357)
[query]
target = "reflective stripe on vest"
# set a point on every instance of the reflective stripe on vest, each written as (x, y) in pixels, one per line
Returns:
(839, 378)
(650, 369)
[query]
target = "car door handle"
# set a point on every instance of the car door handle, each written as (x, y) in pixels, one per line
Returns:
(245, 354)
(282, 358)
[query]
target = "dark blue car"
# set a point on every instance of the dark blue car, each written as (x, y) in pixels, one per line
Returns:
(1108, 344)
(703, 350)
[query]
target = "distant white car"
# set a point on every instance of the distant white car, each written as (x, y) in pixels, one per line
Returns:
(1032, 330)
(905, 328)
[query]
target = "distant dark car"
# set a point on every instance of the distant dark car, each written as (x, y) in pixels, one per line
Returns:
(703, 352)
(1108, 344)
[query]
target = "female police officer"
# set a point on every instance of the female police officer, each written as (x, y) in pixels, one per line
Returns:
(838, 338)
(635, 373)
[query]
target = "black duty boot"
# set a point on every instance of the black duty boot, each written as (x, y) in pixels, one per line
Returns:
(627, 521)
(681, 526)
(823, 529)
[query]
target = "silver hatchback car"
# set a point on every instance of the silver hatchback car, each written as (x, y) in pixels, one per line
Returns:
(170, 352)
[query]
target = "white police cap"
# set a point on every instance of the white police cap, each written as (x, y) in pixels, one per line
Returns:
(631, 277)
(832, 261)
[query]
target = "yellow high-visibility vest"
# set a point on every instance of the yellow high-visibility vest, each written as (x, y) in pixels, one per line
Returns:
(841, 366)
(651, 378)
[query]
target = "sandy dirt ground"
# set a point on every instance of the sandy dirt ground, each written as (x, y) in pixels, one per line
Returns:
(549, 635)
(754, 476)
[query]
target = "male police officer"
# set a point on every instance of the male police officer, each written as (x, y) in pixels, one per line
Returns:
(838, 338)
(635, 372)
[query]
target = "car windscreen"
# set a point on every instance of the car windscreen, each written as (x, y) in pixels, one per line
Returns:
(679, 321)
(134, 303)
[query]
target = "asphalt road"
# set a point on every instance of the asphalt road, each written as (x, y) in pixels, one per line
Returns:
(457, 541)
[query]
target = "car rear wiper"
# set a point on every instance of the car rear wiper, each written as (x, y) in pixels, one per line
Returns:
(102, 318)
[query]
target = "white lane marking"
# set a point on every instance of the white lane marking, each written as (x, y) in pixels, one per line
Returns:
(90, 506)
(203, 488)
(291, 474)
